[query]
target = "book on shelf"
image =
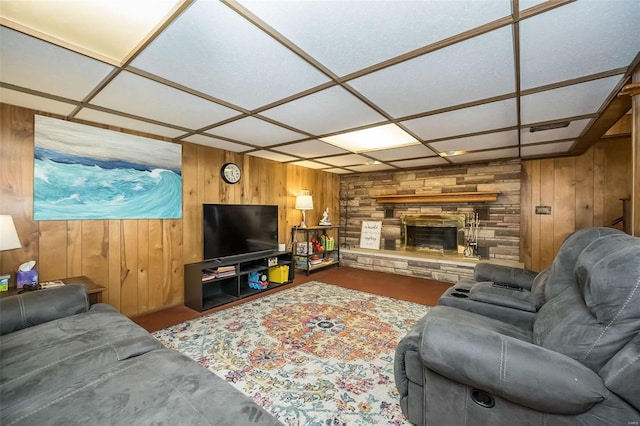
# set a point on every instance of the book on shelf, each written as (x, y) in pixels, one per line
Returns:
(219, 272)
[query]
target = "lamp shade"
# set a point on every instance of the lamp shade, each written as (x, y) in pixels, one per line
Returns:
(8, 235)
(304, 202)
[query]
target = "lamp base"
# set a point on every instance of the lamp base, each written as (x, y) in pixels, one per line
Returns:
(303, 224)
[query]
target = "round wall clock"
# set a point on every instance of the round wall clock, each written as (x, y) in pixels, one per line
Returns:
(231, 173)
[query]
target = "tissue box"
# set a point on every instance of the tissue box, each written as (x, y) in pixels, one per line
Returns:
(26, 277)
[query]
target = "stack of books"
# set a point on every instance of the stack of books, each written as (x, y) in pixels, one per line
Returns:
(219, 272)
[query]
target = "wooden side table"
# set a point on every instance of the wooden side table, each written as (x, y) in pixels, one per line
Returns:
(94, 291)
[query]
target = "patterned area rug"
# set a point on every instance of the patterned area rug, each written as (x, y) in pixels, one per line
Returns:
(314, 354)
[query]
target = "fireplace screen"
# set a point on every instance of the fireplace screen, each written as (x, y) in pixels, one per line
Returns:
(441, 233)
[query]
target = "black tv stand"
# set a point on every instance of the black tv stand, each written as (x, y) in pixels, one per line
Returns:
(205, 287)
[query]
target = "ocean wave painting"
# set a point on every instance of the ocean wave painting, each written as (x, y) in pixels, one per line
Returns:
(84, 172)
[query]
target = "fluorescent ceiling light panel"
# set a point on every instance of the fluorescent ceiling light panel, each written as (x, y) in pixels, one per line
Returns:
(38, 103)
(479, 118)
(479, 68)
(37, 65)
(323, 112)
(547, 148)
(106, 30)
(309, 149)
(374, 138)
(127, 123)
(347, 36)
(568, 101)
(578, 39)
(217, 143)
(255, 131)
(572, 131)
(478, 142)
(269, 155)
(213, 50)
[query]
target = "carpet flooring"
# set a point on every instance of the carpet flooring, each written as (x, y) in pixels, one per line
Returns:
(314, 354)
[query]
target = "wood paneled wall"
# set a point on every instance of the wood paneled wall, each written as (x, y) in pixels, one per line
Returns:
(582, 191)
(140, 262)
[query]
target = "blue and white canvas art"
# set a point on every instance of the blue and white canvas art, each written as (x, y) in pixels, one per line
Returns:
(84, 172)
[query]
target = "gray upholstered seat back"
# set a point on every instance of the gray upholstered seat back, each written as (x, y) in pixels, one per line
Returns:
(599, 313)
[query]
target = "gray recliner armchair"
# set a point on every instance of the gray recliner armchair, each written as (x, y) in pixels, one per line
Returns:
(578, 363)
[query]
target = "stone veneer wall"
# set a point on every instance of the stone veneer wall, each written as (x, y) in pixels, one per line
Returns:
(500, 233)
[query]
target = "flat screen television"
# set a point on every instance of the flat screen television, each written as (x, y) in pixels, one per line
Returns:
(234, 229)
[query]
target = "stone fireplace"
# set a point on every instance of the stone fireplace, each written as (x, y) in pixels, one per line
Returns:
(440, 233)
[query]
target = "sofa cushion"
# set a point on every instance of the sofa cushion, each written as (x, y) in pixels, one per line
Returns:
(36, 361)
(159, 387)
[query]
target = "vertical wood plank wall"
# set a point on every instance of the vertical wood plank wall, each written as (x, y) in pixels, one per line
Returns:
(582, 191)
(140, 262)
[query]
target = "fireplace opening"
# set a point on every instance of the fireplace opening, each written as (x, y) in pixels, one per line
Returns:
(442, 233)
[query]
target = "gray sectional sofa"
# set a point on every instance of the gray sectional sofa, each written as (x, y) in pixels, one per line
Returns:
(569, 357)
(63, 363)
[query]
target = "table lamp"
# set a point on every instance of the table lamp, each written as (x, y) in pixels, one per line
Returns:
(8, 241)
(304, 202)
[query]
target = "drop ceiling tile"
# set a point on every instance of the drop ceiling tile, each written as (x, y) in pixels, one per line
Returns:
(309, 164)
(547, 148)
(37, 103)
(568, 101)
(572, 131)
(474, 69)
(217, 143)
(420, 162)
(345, 160)
(142, 97)
(338, 171)
(37, 65)
(227, 58)
(269, 155)
(255, 131)
(578, 39)
(127, 123)
(526, 4)
(497, 154)
(479, 118)
(415, 151)
(474, 143)
(310, 149)
(370, 168)
(372, 138)
(327, 111)
(348, 36)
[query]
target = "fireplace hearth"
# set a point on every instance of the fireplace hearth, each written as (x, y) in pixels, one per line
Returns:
(441, 233)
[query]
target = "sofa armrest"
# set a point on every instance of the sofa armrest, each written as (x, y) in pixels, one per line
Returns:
(518, 277)
(37, 307)
(506, 366)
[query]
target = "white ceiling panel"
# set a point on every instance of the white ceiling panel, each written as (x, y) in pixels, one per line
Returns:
(237, 60)
(370, 168)
(414, 151)
(37, 103)
(255, 131)
(547, 148)
(37, 65)
(269, 155)
(127, 123)
(338, 171)
(573, 130)
(309, 164)
(474, 69)
(345, 160)
(348, 36)
(568, 101)
(217, 143)
(578, 39)
(485, 155)
(420, 162)
(325, 112)
(494, 115)
(526, 4)
(307, 149)
(473, 143)
(145, 98)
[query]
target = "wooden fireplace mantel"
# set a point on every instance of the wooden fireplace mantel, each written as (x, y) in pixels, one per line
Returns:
(445, 197)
